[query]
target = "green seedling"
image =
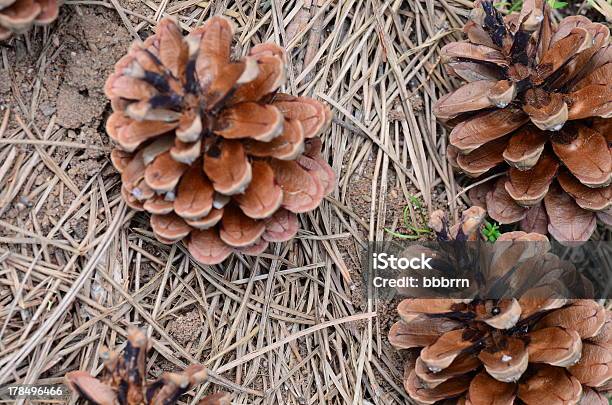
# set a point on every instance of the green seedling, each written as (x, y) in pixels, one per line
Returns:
(416, 233)
(491, 231)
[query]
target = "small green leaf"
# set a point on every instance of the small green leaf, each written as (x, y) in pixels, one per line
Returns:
(406, 219)
(416, 232)
(491, 231)
(555, 4)
(516, 6)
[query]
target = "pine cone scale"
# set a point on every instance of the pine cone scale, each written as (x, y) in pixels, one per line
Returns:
(462, 365)
(195, 195)
(473, 52)
(501, 206)
(528, 187)
(446, 348)
(585, 317)
(227, 166)
(208, 221)
(238, 230)
(281, 226)
(550, 385)
(508, 363)
(169, 227)
(49, 12)
(556, 346)
(483, 387)
(473, 96)
(270, 77)
(596, 169)
(423, 331)
(425, 395)
(91, 388)
(525, 148)
(484, 158)
(301, 191)
(164, 173)
(592, 99)
(560, 52)
(567, 221)
(486, 127)
(549, 112)
(592, 199)
(263, 197)
(250, 120)
(20, 15)
(287, 146)
(313, 116)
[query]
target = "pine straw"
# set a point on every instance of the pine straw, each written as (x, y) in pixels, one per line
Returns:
(282, 328)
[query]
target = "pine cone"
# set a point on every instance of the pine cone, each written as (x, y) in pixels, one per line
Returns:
(125, 382)
(535, 349)
(17, 16)
(538, 98)
(206, 145)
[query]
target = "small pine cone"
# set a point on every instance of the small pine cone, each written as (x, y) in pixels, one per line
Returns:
(17, 16)
(539, 348)
(124, 381)
(537, 98)
(208, 147)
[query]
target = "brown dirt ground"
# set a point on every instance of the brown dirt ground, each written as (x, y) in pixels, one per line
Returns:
(78, 57)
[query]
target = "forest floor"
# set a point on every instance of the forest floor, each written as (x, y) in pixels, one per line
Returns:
(292, 326)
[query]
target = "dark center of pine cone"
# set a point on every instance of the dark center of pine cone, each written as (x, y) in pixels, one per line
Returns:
(485, 337)
(566, 135)
(522, 70)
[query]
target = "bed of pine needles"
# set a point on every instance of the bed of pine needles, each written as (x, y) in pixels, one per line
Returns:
(289, 327)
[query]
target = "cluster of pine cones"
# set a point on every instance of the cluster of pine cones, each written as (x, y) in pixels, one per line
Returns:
(207, 145)
(536, 107)
(17, 16)
(535, 110)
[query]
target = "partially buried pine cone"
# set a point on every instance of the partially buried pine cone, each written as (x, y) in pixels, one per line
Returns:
(538, 98)
(207, 145)
(124, 381)
(17, 16)
(534, 349)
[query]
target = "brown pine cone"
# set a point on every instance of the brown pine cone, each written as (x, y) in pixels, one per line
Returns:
(207, 145)
(124, 381)
(538, 98)
(535, 349)
(17, 16)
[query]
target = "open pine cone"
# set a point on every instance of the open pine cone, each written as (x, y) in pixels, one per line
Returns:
(125, 382)
(539, 348)
(539, 98)
(206, 145)
(17, 16)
